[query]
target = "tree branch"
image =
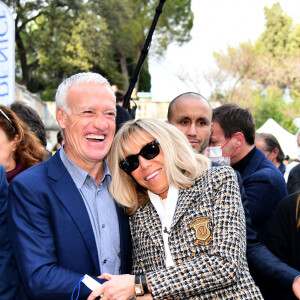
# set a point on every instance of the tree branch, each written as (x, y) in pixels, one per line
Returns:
(20, 28)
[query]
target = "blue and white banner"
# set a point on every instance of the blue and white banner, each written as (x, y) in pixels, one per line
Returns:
(7, 56)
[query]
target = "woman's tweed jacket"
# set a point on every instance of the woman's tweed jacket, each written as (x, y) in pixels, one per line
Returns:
(207, 242)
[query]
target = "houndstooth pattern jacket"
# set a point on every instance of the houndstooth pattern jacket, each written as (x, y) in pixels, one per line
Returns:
(207, 241)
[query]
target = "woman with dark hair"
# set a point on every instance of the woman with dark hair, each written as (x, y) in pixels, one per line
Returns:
(19, 147)
(186, 218)
(283, 238)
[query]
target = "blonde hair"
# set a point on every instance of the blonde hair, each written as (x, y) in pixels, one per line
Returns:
(182, 164)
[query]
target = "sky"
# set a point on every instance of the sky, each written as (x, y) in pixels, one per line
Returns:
(217, 25)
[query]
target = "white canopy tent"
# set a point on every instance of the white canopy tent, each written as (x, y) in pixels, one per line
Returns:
(286, 140)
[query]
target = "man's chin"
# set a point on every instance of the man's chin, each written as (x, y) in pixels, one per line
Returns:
(196, 147)
(203, 146)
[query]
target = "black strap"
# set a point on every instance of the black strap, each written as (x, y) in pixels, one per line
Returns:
(137, 279)
(144, 284)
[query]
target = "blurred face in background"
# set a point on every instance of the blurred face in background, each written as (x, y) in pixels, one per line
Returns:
(271, 155)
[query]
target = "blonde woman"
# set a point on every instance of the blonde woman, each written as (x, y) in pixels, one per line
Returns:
(187, 220)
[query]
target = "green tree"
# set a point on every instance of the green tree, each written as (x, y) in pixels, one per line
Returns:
(270, 105)
(26, 14)
(129, 22)
(74, 51)
(57, 38)
(275, 38)
(259, 76)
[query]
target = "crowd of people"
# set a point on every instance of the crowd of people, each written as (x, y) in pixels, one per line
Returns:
(196, 207)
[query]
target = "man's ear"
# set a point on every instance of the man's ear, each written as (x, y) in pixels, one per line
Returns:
(61, 117)
(238, 139)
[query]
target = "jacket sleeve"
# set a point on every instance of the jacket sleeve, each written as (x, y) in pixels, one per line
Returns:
(264, 190)
(8, 271)
(280, 237)
(263, 264)
(293, 182)
(34, 245)
(222, 267)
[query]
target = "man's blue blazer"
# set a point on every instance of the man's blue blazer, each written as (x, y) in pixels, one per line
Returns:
(52, 236)
(8, 270)
(265, 187)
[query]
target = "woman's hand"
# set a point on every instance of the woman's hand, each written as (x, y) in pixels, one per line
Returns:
(118, 287)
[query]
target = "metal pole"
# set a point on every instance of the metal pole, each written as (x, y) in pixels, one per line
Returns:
(143, 55)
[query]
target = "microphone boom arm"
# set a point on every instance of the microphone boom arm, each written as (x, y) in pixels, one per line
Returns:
(143, 55)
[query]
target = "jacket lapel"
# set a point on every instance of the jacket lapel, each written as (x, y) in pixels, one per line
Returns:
(252, 166)
(67, 192)
(153, 228)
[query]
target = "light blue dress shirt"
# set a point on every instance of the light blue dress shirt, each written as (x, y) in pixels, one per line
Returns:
(102, 212)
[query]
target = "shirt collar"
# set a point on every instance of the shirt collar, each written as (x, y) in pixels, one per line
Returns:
(243, 163)
(171, 200)
(78, 174)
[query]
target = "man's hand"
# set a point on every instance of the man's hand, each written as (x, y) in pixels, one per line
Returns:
(118, 287)
(296, 287)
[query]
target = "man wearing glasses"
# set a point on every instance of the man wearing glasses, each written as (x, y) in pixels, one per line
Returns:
(64, 222)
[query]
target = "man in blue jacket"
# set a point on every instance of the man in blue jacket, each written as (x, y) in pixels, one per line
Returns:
(192, 114)
(64, 223)
(8, 271)
(234, 130)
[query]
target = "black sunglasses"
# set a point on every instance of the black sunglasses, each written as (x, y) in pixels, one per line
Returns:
(131, 162)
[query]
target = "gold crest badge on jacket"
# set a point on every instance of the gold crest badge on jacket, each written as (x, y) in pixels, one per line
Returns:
(202, 232)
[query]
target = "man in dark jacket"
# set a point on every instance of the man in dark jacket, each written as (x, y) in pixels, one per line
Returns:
(192, 114)
(8, 270)
(234, 130)
(63, 221)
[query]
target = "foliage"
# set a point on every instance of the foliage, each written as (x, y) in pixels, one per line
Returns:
(129, 23)
(57, 38)
(278, 26)
(261, 75)
(269, 105)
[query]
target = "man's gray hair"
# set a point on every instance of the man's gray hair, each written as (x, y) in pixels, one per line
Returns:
(62, 90)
